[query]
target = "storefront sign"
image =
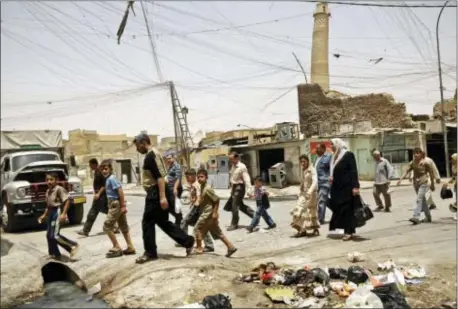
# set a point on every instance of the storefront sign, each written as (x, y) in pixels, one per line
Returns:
(315, 144)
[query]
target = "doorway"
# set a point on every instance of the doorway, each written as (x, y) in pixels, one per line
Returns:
(267, 158)
(125, 169)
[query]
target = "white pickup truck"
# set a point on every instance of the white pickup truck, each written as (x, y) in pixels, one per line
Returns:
(23, 178)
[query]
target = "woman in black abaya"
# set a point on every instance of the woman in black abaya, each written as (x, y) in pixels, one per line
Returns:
(344, 189)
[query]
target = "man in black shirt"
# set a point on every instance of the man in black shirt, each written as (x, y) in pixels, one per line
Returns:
(99, 203)
(158, 199)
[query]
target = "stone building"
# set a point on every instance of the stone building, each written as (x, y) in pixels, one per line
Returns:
(320, 112)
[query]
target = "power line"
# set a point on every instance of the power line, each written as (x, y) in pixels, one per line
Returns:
(379, 4)
(153, 45)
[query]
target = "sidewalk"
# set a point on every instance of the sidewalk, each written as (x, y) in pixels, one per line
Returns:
(285, 194)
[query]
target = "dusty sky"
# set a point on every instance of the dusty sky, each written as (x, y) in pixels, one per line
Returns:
(232, 63)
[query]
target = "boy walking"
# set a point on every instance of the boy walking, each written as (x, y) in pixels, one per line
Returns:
(262, 204)
(193, 214)
(208, 219)
(422, 170)
(56, 196)
(116, 213)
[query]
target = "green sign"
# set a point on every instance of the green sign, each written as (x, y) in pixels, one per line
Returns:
(30, 147)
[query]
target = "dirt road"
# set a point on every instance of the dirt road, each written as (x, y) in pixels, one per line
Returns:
(174, 278)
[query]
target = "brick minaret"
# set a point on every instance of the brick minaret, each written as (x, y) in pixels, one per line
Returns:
(320, 49)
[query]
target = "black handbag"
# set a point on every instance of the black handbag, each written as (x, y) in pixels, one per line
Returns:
(363, 213)
(446, 193)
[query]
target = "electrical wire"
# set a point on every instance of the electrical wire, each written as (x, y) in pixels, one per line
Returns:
(378, 4)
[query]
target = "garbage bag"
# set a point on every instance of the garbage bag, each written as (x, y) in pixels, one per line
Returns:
(391, 297)
(290, 278)
(362, 297)
(218, 301)
(320, 276)
(338, 273)
(446, 193)
(357, 275)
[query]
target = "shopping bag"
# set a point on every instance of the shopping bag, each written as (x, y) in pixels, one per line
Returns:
(177, 205)
(363, 213)
(446, 193)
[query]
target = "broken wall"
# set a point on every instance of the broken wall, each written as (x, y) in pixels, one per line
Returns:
(321, 114)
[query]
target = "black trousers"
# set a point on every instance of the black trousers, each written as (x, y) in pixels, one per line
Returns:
(99, 205)
(237, 195)
(154, 215)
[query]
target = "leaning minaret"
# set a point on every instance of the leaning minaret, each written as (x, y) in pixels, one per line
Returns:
(320, 49)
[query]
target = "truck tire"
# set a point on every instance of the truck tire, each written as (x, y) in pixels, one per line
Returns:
(9, 221)
(76, 213)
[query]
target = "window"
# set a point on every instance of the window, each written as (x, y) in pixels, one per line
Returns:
(22, 160)
(397, 156)
(6, 165)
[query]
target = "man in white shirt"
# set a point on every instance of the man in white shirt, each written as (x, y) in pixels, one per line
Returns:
(240, 183)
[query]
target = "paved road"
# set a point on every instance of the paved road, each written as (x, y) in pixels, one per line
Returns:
(388, 235)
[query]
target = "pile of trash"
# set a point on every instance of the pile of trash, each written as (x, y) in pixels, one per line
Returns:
(218, 301)
(355, 287)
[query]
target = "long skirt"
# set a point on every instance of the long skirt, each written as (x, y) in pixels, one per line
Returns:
(305, 214)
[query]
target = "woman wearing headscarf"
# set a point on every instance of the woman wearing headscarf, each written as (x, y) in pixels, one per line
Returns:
(305, 214)
(452, 181)
(344, 189)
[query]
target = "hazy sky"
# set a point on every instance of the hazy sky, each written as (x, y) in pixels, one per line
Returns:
(61, 66)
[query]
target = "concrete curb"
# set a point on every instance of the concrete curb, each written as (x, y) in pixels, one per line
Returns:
(289, 197)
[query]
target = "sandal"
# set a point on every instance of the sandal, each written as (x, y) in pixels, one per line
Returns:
(194, 251)
(129, 251)
(231, 251)
(316, 233)
(300, 234)
(113, 254)
(347, 237)
(145, 258)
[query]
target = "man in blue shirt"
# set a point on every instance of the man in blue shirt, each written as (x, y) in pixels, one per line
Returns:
(322, 166)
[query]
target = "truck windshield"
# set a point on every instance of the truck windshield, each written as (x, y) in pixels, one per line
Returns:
(23, 160)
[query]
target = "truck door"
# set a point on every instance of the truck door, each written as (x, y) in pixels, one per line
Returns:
(6, 169)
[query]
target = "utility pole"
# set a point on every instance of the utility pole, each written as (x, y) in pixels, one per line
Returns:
(441, 88)
(302, 68)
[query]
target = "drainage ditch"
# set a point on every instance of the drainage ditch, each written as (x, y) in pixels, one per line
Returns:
(63, 289)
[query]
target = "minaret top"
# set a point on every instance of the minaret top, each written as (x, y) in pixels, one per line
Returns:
(321, 8)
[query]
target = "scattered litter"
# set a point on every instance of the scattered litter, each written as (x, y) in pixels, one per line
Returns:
(311, 302)
(391, 296)
(395, 276)
(415, 273)
(320, 291)
(388, 265)
(218, 301)
(362, 297)
(202, 275)
(357, 275)
(279, 293)
(414, 281)
(93, 290)
(338, 273)
(355, 257)
(448, 304)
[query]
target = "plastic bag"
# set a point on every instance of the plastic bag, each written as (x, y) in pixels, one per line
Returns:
(391, 297)
(177, 206)
(218, 301)
(357, 275)
(446, 193)
(338, 273)
(362, 297)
